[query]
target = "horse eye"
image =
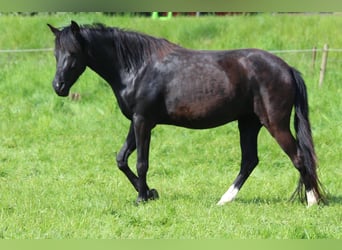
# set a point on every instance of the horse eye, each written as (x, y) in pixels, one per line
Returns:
(73, 65)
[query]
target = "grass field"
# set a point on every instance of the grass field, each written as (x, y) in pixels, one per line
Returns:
(58, 177)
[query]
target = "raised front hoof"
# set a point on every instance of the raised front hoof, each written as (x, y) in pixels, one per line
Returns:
(152, 194)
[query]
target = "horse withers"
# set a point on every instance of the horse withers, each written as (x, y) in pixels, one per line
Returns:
(158, 82)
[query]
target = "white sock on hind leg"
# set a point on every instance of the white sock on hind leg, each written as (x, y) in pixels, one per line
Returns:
(311, 198)
(229, 196)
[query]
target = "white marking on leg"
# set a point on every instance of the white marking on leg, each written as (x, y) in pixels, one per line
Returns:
(311, 198)
(229, 195)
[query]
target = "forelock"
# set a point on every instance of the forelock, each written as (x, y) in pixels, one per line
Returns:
(67, 41)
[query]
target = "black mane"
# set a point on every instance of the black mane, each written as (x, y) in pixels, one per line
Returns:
(132, 48)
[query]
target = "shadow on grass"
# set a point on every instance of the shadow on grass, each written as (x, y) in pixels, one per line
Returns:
(331, 200)
(263, 201)
(334, 199)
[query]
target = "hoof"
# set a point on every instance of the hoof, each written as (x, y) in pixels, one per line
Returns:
(152, 194)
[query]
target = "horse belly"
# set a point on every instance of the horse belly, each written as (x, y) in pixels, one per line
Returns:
(202, 102)
(200, 116)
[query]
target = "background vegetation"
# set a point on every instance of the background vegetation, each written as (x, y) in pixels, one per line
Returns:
(58, 177)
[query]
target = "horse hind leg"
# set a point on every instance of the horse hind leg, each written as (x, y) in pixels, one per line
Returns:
(249, 128)
(289, 145)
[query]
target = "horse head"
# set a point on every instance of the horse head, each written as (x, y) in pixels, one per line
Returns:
(70, 57)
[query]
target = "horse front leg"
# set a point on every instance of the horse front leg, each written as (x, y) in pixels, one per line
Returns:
(142, 131)
(122, 157)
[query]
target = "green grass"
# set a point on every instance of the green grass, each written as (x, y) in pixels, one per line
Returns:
(58, 177)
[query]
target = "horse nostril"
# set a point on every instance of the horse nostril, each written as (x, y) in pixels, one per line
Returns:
(59, 85)
(61, 88)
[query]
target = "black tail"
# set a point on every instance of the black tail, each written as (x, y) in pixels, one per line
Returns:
(304, 140)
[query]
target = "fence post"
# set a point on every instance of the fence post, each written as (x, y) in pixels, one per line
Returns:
(155, 15)
(323, 65)
(314, 54)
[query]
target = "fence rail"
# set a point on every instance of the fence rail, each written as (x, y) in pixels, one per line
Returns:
(272, 51)
(303, 50)
(325, 50)
(25, 50)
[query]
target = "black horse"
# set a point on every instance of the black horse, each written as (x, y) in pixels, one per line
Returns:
(158, 82)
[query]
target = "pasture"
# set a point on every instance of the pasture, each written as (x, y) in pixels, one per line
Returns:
(58, 175)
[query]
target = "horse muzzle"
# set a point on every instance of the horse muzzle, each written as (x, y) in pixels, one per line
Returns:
(61, 88)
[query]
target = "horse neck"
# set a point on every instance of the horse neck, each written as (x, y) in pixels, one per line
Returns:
(101, 60)
(108, 61)
(117, 56)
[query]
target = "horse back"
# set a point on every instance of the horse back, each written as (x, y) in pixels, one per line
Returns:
(203, 89)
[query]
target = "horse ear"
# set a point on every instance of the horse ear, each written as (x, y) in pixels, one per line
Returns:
(75, 28)
(54, 30)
